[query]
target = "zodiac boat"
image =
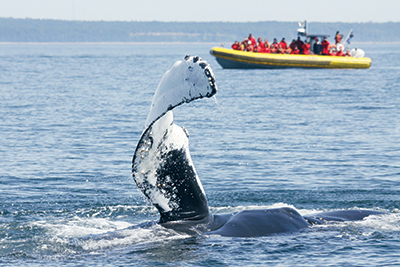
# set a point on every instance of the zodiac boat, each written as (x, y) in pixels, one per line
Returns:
(234, 59)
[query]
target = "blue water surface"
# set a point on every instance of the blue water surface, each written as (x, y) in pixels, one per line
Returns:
(315, 140)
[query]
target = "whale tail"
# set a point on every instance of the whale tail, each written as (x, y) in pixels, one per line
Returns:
(162, 167)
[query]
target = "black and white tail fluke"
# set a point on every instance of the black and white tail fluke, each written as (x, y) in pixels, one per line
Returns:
(162, 167)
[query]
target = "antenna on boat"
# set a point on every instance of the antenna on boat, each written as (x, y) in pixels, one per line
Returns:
(302, 31)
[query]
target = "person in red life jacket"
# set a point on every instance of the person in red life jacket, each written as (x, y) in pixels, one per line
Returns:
(260, 46)
(253, 40)
(280, 50)
(299, 44)
(283, 44)
(306, 48)
(340, 53)
(249, 47)
(275, 44)
(292, 44)
(332, 52)
(267, 48)
(325, 46)
(295, 51)
(338, 38)
(260, 42)
(236, 46)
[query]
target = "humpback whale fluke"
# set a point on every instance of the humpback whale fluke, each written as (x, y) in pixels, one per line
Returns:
(187, 80)
(163, 169)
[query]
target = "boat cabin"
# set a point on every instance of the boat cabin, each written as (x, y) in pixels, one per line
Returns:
(310, 38)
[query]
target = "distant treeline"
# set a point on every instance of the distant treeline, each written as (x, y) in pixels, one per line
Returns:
(37, 30)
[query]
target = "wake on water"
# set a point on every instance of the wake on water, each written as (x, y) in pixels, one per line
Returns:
(79, 236)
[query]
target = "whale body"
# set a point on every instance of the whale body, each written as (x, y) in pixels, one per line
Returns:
(164, 171)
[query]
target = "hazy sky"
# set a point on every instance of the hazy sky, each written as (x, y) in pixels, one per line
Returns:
(205, 10)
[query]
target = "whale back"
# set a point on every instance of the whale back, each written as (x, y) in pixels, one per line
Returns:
(162, 167)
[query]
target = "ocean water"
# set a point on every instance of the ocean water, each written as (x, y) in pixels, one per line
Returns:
(314, 140)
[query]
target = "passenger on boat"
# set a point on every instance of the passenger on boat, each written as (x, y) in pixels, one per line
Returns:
(260, 45)
(340, 53)
(267, 48)
(292, 44)
(249, 47)
(295, 51)
(275, 44)
(236, 46)
(332, 52)
(317, 48)
(266, 42)
(306, 48)
(325, 45)
(299, 44)
(280, 50)
(260, 42)
(283, 44)
(348, 53)
(338, 38)
(252, 39)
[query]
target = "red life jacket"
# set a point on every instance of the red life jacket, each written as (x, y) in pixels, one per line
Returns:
(325, 45)
(236, 46)
(253, 41)
(340, 53)
(306, 49)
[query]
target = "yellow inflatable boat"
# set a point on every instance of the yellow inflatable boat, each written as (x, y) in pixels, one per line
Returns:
(233, 59)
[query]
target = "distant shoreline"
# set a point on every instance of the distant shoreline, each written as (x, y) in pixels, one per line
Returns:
(157, 43)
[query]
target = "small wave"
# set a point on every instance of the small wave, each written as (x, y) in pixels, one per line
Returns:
(77, 227)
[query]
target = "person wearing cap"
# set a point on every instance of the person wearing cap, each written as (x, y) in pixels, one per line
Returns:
(317, 48)
(275, 44)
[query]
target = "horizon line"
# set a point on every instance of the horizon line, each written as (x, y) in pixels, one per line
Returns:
(287, 21)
